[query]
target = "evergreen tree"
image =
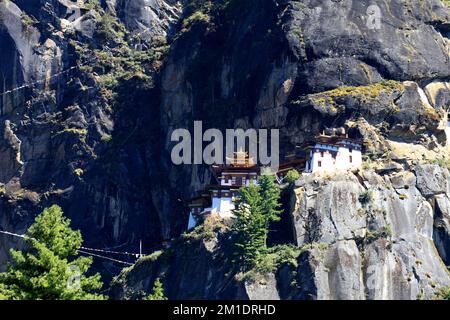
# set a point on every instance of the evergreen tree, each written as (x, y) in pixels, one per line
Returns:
(4, 294)
(292, 176)
(249, 226)
(256, 208)
(158, 291)
(48, 268)
(270, 193)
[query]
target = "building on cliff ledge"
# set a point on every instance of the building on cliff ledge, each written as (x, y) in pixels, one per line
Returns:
(329, 152)
(293, 161)
(197, 207)
(333, 151)
(241, 171)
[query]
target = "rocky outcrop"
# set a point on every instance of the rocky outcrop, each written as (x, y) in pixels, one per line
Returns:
(10, 149)
(387, 238)
(432, 180)
(441, 233)
(363, 236)
(148, 18)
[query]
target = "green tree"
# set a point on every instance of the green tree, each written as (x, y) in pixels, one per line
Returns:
(48, 268)
(270, 193)
(158, 291)
(4, 294)
(257, 207)
(292, 176)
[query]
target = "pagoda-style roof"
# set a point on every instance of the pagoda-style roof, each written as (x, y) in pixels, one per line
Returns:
(239, 163)
(241, 159)
(236, 170)
(335, 140)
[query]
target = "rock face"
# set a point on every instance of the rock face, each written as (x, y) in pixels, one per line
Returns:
(60, 138)
(355, 247)
(149, 17)
(11, 163)
(441, 233)
(385, 249)
(91, 94)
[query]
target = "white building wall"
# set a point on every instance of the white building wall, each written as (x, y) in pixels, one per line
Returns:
(343, 159)
(322, 163)
(192, 222)
(330, 158)
(357, 159)
(223, 182)
(223, 206)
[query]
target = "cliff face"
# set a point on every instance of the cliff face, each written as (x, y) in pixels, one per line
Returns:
(378, 247)
(80, 127)
(365, 235)
(112, 79)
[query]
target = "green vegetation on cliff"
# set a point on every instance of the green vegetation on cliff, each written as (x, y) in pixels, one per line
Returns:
(257, 207)
(329, 101)
(48, 268)
(158, 291)
(443, 293)
(292, 176)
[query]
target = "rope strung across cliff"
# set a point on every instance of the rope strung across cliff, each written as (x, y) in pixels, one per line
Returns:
(136, 255)
(23, 236)
(42, 80)
(138, 35)
(104, 257)
(31, 84)
(84, 250)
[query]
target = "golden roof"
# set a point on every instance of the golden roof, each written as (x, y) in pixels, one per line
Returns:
(241, 159)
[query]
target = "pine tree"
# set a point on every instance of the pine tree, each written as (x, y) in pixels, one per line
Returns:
(270, 193)
(158, 291)
(256, 208)
(48, 268)
(249, 226)
(4, 294)
(292, 176)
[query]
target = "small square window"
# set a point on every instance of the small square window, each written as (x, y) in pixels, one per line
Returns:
(319, 163)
